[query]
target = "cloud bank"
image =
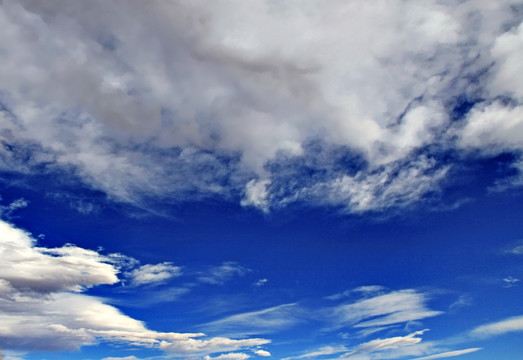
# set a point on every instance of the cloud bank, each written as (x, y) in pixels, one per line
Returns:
(348, 103)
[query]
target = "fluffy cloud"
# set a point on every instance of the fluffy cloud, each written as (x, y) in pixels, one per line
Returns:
(42, 305)
(226, 89)
(262, 353)
(26, 266)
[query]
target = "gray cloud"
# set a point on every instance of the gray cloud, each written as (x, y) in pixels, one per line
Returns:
(190, 100)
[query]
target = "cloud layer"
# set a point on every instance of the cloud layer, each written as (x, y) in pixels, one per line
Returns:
(348, 104)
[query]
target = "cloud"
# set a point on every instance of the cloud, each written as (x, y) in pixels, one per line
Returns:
(43, 306)
(262, 353)
(214, 345)
(7, 211)
(260, 282)
(516, 250)
(511, 324)
(204, 112)
(229, 356)
(154, 274)
(324, 350)
(388, 348)
(390, 343)
(449, 354)
(26, 266)
(366, 290)
(382, 310)
(510, 281)
(259, 322)
(219, 275)
(121, 358)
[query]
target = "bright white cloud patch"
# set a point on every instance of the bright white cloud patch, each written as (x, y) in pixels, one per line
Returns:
(42, 305)
(154, 274)
(230, 356)
(250, 87)
(262, 353)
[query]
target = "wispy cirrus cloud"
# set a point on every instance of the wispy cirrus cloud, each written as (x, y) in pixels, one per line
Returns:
(449, 354)
(219, 275)
(387, 309)
(263, 321)
(512, 324)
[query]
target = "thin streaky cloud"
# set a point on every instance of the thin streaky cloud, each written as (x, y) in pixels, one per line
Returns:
(449, 354)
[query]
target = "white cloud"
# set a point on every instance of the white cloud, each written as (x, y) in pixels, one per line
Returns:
(121, 358)
(42, 306)
(366, 290)
(381, 310)
(388, 348)
(324, 350)
(510, 281)
(213, 345)
(232, 94)
(390, 343)
(259, 322)
(229, 356)
(494, 128)
(219, 275)
(261, 282)
(27, 266)
(511, 324)
(516, 250)
(449, 354)
(256, 194)
(7, 210)
(154, 274)
(263, 353)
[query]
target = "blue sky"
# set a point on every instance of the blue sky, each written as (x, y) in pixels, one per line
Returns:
(254, 180)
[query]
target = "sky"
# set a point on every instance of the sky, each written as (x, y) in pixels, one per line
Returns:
(232, 180)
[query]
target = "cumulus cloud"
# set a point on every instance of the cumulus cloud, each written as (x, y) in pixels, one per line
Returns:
(262, 353)
(220, 94)
(154, 274)
(43, 307)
